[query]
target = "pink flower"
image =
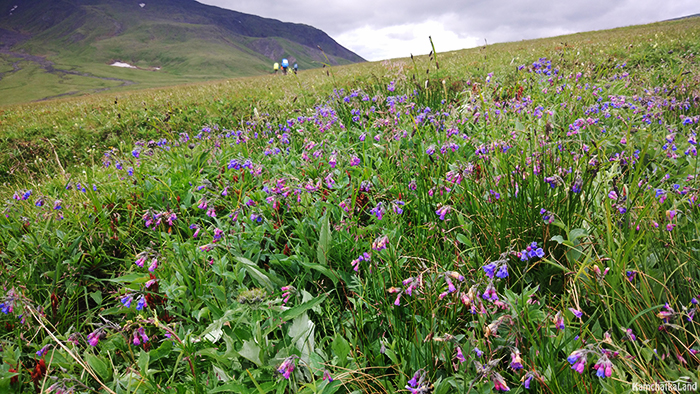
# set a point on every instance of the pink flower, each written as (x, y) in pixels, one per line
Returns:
(93, 338)
(287, 367)
(154, 265)
(460, 356)
(499, 383)
(327, 376)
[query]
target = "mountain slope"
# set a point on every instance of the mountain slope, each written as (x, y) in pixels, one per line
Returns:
(170, 41)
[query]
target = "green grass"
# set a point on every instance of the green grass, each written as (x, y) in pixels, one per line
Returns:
(370, 223)
(187, 41)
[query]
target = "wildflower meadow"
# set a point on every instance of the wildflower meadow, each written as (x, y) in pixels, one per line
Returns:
(519, 217)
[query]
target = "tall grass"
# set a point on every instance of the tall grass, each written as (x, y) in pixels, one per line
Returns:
(520, 216)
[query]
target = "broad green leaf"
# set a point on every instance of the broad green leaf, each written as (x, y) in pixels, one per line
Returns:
(143, 361)
(558, 238)
(251, 351)
(100, 367)
(255, 272)
(341, 348)
(97, 297)
(292, 313)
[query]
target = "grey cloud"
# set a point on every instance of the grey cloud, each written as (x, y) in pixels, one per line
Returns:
(497, 21)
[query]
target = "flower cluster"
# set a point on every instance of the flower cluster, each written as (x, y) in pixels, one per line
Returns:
(603, 365)
(419, 384)
(363, 257)
(532, 251)
(409, 285)
(287, 366)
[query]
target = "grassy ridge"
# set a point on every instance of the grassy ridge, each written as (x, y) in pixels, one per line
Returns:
(186, 41)
(517, 217)
(662, 48)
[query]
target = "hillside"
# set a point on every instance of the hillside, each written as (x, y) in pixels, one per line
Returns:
(517, 217)
(66, 47)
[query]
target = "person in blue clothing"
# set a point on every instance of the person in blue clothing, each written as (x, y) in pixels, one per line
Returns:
(285, 66)
(296, 68)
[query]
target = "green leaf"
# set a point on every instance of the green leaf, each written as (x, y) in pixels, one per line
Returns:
(251, 351)
(255, 272)
(292, 313)
(463, 240)
(260, 389)
(324, 241)
(99, 366)
(341, 348)
(97, 297)
(230, 387)
(577, 233)
(143, 362)
(162, 351)
(220, 374)
(558, 238)
(133, 277)
(320, 268)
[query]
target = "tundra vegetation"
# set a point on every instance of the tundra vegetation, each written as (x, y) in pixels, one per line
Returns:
(520, 216)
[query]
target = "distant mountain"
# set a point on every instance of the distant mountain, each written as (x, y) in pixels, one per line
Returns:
(179, 38)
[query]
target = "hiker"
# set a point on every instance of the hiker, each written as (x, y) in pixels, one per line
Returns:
(285, 66)
(276, 67)
(296, 68)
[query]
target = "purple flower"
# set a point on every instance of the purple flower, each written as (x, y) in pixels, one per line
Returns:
(142, 333)
(559, 321)
(397, 204)
(443, 210)
(490, 269)
(578, 185)
(490, 293)
(380, 243)
(287, 367)
(141, 303)
(154, 265)
(141, 259)
(93, 338)
(516, 362)
(211, 212)
(217, 234)
(43, 350)
(327, 376)
(576, 312)
(460, 356)
(577, 359)
(499, 384)
(502, 271)
(126, 300)
(603, 367)
(378, 211)
(478, 352)
(418, 383)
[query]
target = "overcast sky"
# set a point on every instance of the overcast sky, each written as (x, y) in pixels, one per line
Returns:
(385, 29)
